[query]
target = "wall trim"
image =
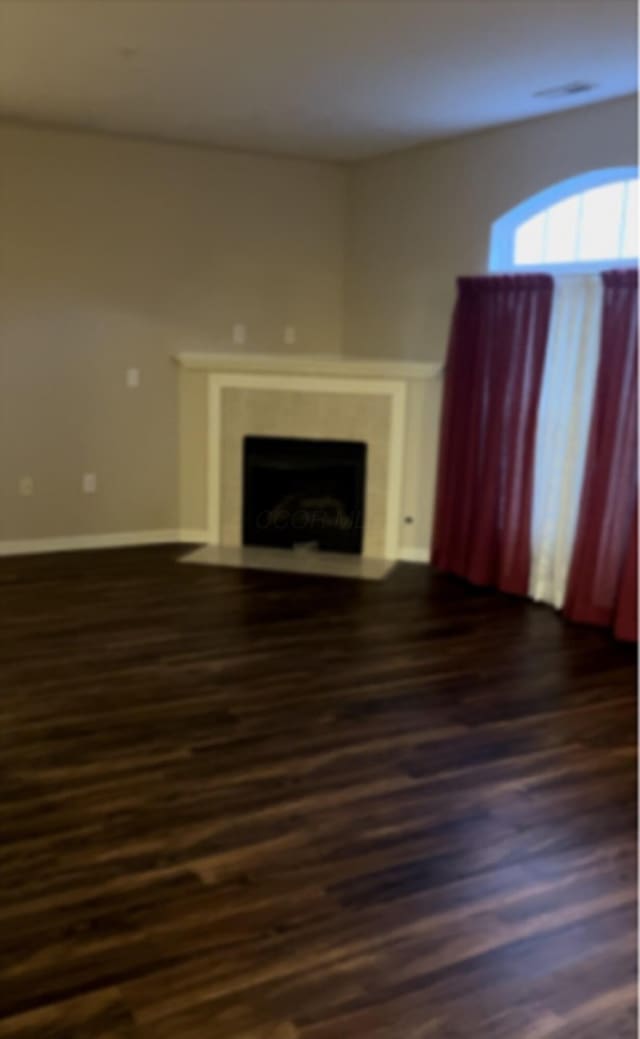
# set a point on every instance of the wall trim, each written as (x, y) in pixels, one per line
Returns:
(80, 542)
(193, 536)
(414, 555)
(131, 539)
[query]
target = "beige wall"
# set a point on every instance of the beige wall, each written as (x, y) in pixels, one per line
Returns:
(117, 253)
(419, 218)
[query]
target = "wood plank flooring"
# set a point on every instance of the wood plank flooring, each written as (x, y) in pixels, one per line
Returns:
(242, 805)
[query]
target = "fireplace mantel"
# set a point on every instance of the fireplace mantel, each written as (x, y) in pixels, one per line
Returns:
(295, 364)
(392, 406)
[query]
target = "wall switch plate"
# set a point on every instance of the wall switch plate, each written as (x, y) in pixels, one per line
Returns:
(290, 335)
(89, 483)
(239, 334)
(26, 486)
(133, 378)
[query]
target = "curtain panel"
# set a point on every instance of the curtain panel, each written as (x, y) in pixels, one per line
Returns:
(562, 432)
(537, 477)
(485, 474)
(602, 577)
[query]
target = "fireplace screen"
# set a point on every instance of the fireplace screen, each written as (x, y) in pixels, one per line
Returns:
(304, 493)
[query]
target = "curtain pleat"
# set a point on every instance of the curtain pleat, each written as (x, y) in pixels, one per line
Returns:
(562, 433)
(626, 619)
(602, 575)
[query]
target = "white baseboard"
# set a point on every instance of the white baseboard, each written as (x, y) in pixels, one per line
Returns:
(190, 536)
(193, 536)
(414, 555)
(78, 542)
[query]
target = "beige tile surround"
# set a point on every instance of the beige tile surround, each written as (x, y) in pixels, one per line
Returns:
(321, 415)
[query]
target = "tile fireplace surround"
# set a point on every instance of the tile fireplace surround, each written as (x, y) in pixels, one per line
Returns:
(379, 402)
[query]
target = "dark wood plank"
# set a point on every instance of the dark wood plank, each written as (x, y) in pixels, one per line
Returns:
(253, 806)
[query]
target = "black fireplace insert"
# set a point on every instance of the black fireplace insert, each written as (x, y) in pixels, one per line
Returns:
(304, 493)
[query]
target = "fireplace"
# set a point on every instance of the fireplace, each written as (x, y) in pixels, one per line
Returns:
(307, 493)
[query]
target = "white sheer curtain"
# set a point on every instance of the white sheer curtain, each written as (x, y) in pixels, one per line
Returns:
(564, 416)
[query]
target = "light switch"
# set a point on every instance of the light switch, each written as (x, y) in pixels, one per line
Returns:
(89, 483)
(290, 335)
(133, 378)
(25, 486)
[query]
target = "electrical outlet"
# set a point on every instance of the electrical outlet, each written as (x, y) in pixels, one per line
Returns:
(290, 335)
(26, 486)
(89, 483)
(133, 378)
(239, 334)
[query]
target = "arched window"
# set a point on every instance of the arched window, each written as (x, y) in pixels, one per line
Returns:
(584, 223)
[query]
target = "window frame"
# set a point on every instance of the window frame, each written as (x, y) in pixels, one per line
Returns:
(503, 230)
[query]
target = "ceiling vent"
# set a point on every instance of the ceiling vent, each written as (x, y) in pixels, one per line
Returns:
(566, 90)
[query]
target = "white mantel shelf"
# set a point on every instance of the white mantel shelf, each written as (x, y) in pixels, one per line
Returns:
(294, 364)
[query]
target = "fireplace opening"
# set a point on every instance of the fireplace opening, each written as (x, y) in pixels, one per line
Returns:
(304, 493)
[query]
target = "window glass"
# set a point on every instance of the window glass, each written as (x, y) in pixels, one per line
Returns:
(561, 242)
(600, 224)
(630, 227)
(529, 246)
(591, 228)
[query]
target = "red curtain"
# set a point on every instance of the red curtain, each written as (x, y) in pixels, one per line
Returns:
(602, 585)
(626, 620)
(485, 473)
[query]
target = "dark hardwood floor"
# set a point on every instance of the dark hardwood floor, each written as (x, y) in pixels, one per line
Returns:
(240, 805)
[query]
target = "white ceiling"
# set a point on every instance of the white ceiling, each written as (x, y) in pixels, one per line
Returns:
(339, 79)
